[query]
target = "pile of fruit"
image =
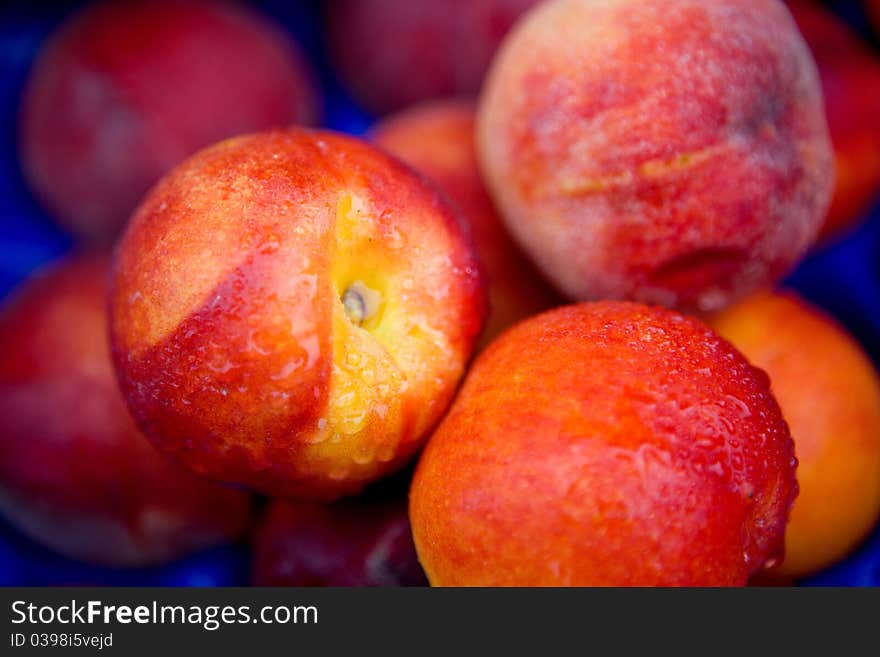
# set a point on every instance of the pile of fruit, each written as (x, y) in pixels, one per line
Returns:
(527, 331)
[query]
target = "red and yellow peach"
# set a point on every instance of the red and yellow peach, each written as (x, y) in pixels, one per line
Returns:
(605, 444)
(292, 311)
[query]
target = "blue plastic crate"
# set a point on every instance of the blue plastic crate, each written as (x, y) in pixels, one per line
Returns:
(843, 278)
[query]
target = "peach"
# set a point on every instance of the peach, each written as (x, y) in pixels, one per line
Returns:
(850, 74)
(437, 138)
(392, 53)
(633, 446)
(830, 395)
(123, 91)
(667, 151)
(75, 472)
(292, 311)
(347, 543)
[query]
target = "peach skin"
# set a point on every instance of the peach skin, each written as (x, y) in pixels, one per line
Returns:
(667, 151)
(143, 85)
(830, 395)
(632, 447)
(75, 473)
(292, 311)
(437, 139)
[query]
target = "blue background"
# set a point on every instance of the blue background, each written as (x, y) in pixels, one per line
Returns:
(843, 278)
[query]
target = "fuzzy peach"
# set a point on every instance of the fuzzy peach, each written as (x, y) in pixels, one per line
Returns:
(437, 138)
(125, 90)
(668, 151)
(850, 74)
(829, 393)
(605, 444)
(292, 311)
(347, 543)
(392, 53)
(75, 472)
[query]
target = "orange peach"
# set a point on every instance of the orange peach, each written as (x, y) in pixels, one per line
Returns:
(605, 443)
(75, 472)
(850, 74)
(668, 151)
(347, 543)
(437, 139)
(830, 395)
(392, 53)
(292, 311)
(125, 90)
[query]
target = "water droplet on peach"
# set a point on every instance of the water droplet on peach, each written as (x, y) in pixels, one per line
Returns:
(385, 453)
(363, 456)
(395, 239)
(340, 473)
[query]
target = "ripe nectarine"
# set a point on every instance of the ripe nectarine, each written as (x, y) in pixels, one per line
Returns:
(293, 311)
(605, 444)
